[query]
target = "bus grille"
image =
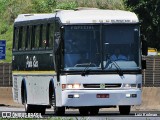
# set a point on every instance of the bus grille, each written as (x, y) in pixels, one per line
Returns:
(98, 85)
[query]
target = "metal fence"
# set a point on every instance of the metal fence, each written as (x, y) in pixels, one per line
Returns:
(151, 76)
(5, 74)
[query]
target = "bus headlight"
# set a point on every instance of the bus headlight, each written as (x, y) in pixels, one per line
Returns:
(73, 86)
(127, 85)
(130, 85)
(76, 86)
(70, 86)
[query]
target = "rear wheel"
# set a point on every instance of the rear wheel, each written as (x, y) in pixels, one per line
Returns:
(124, 110)
(28, 108)
(33, 108)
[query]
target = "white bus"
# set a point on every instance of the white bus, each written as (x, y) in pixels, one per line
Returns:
(65, 60)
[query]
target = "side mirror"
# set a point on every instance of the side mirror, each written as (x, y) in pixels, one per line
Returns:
(143, 64)
(144, 48)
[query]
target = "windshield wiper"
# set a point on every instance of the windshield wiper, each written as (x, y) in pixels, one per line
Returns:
(86, 71)
(120, 72)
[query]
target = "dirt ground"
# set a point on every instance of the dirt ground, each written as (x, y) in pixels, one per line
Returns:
(6, 98)
(150, 99)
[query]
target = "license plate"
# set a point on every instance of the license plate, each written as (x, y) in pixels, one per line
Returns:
(102, 95)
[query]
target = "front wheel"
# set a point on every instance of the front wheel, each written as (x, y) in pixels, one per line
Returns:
(94, 111)
(84, 111)
(124, 110)
(59, 110)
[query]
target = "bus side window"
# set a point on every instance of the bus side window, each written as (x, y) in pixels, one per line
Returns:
(40, 36)
(16, 37)
(33, 38)
(20, 38)
(37, 36)
(43, 41)
(47, 36)
(24, 36)
(29, 37)
(51, 35)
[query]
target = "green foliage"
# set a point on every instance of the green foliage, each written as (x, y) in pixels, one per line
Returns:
(67, 5)
(10, 9)
(149, 14)
(110, 4)
(2, 5)
(43, 6)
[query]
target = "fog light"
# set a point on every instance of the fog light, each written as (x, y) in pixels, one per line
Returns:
(76, 96)
(70, 96)
(134, 95)
(127, 85)
(128, 95)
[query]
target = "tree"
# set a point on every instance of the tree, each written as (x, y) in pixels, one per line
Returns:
(149, 15)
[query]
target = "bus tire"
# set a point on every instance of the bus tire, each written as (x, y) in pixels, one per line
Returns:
(124, 110)
(59, 110)
(94, 111)
(84, 111)
(28, 108)
(32, 108)
(40, 109)
(52, 99)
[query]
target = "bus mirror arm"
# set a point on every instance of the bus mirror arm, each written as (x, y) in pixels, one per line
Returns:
(58, 63)
(143, 64)
(144, 48)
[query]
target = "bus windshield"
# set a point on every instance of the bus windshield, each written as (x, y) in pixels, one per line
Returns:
(101, 47)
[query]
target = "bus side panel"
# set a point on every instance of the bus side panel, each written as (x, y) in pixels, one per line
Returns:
(16, 89)
(39, 86)
(36, 87)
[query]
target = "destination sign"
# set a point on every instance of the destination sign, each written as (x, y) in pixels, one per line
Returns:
(82, 27)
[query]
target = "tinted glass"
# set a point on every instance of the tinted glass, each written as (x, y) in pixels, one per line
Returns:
(106, 47)
(121, 46)
(81, 47)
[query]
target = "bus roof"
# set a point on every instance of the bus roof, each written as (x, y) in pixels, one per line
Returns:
(28, 17)
(84, 16)
(97, 16)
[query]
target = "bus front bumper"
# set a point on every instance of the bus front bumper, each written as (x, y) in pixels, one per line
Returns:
(80, 98)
